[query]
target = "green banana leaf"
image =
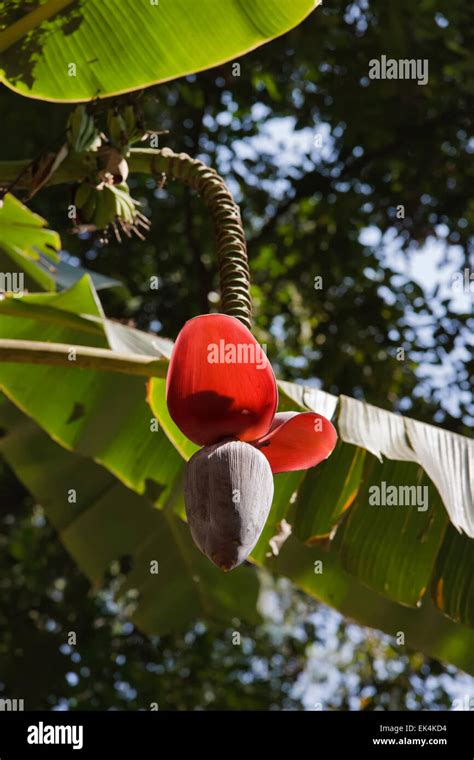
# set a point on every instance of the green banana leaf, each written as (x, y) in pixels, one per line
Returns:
(453, 585)
(97, 414)
(66, 50)
(108, 522)
(100, 521)
(397, 558)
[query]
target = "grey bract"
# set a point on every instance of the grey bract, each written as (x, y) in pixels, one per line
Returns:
(228, 494)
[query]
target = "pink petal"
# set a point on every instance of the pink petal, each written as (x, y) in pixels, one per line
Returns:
(220, 383)
(297, 441)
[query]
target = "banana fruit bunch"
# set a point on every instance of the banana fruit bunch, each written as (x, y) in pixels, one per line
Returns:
(82, 133)
(105, 206)
(124, 128)
(102, 200)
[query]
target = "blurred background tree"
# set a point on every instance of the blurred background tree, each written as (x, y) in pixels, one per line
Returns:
(320, 158)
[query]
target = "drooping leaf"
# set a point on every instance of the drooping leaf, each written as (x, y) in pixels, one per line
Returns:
(108, 522)
(391, 549)
(127, 339)
(380, 432)
(73, 51)
(303, 397)
(453, 583)
(390, 538)
(446, 457)
(327, 491)
(105, 522)
(449, 461)
(98, 414)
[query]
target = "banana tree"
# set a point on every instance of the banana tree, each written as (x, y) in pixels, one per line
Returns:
(94, 396)
(87, 425)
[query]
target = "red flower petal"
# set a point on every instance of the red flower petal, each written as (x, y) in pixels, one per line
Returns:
(220, 383)
(297, 441)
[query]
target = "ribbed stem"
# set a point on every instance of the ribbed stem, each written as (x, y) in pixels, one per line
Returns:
(225, 213)
(82, 357)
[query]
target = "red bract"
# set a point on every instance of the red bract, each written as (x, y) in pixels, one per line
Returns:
(220, 385)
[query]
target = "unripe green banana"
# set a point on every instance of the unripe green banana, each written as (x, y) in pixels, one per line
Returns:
(105, 212)
(107, 205)
(83, 193)
(133, 124)
(126, 206)
(124, 128)
(117, 130)
(89, 208)
(130, 121)
(85, 200)
(82, 134)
